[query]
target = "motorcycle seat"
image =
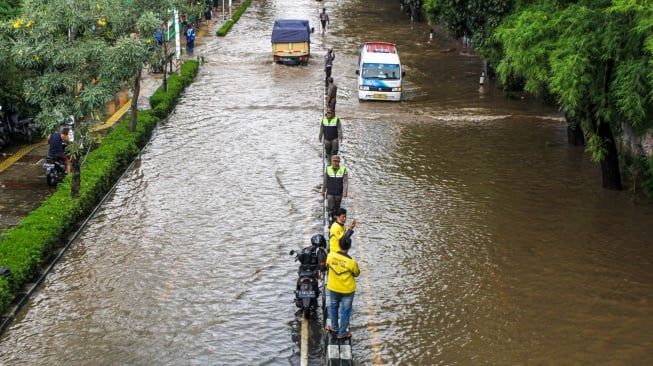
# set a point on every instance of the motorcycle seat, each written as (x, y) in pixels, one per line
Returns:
(304, 273)
(55, 158)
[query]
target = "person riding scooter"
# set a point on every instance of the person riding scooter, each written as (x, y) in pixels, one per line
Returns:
(58, 142)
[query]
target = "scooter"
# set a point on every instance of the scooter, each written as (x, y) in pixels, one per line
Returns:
(55, 170)
(309, 284)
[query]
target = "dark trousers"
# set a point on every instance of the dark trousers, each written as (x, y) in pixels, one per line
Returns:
(190, 47)
(333, 203)
(327, 70)
(331, 148)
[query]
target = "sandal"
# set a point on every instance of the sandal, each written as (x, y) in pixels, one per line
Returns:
(330, 329)
(345, 336)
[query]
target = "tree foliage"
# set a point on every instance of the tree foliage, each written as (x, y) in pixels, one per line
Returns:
(10, 9)
(76, 55)
(593, 56)
(602, 73)
(473, 18)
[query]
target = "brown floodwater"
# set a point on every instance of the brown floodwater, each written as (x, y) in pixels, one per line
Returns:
(483, 238)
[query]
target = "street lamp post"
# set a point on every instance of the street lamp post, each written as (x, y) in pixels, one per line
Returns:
(177, 40)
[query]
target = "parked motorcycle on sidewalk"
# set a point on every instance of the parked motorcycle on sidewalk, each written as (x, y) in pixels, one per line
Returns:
(23, 128)
(5, 135)
(310, 281)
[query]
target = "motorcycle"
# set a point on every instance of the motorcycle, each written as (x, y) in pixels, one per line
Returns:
(55, 170)
(310, 274)
(55, 167)
(24, 128)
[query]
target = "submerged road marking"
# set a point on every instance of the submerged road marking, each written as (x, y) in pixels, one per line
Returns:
(376, 346)
(304, 346)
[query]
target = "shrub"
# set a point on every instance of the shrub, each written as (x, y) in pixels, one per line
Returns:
(234, 18)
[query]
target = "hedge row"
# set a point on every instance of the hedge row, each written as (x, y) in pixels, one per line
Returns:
(32, 242)
(234, 18)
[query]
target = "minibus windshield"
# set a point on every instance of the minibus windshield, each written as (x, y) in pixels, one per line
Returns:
(381, 71)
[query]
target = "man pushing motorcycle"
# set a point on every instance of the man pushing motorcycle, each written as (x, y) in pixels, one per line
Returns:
(58, 142)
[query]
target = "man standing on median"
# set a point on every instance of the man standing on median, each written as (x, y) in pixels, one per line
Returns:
(332, 91)
(328, 64)
(341, 284)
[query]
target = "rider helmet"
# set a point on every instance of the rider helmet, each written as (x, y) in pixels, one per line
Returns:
(318, 241)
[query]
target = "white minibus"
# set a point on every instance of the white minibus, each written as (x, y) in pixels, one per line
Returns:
(379, 72)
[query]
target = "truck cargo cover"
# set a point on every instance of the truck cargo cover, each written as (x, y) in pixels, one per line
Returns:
(291, 30)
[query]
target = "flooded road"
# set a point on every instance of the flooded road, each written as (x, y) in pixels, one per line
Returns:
(483, 239)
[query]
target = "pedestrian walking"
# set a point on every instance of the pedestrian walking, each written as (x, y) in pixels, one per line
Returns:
(330, 134)
(190, 39)
(328, 64)
(208, 14)
(324, 20)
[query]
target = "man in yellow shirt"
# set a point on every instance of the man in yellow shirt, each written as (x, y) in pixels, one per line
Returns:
(341, 284)
(337, 230)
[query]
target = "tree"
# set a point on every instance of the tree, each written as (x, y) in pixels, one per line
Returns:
(79, 53)
(133, 50)
(11, 88)
(592, 56)
(141, 19)
(473, 19)
(10, 9)
(601, 75)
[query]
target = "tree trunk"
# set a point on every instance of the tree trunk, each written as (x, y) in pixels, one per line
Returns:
(575, 136)
(134, 106)
(610, 164)
(77, 176)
